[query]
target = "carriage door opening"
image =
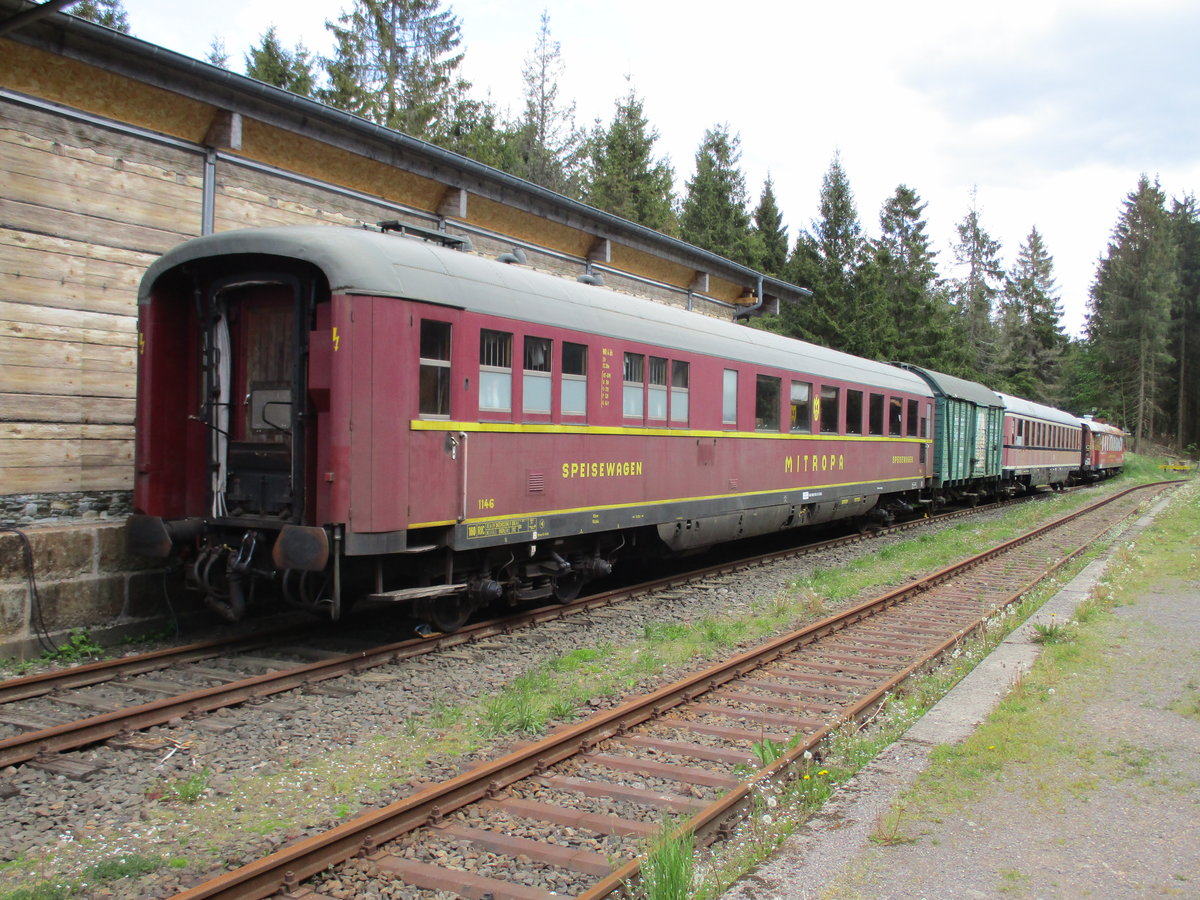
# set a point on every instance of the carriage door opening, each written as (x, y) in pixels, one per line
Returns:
(262, 439)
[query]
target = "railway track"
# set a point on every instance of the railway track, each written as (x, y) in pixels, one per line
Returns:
(200, 678)
(571, 814)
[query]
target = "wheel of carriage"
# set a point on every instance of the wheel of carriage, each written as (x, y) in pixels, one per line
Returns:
(446, 614)
(567, 587)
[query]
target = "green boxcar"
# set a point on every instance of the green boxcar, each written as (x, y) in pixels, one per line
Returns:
(967, 433)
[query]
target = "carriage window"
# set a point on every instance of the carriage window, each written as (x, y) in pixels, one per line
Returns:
(912, 418)
(876, 423)
(634, 398)
(495, 371)
(729, 398)
(829, 410)
(656, 393)
(801, 407)
(574, 379)
(854, 412)
(766, 403)
(535, 392)
(895, 415)
(925, 423)
(1019, 437)
(435, 368)
(680, 375)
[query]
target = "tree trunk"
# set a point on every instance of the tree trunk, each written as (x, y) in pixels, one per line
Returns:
(1141, 400)
(1182, 405)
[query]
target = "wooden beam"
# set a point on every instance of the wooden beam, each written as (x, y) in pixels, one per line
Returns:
(225, 131)
(453, 204)
(601, 251)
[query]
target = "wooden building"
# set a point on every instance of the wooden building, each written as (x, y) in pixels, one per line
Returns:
(113, 150)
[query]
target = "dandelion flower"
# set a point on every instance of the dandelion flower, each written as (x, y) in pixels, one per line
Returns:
(808, 754)
(807, 777)
(772, 802)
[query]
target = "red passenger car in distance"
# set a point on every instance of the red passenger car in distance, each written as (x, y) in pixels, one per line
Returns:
(1043, 446)
(1103, 449)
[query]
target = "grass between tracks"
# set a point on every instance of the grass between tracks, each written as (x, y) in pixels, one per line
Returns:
(307, 791)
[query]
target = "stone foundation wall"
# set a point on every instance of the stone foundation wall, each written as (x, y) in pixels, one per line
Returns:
(27, 509)
(84, 579)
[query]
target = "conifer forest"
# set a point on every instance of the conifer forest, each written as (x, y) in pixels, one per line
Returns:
(880, 289)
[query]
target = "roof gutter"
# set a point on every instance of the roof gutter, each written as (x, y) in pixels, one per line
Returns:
(31, 15)
(133, 57)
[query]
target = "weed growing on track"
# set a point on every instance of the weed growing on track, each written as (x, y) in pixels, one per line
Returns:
(1051, 632)
(78, 646)
(94, 877)
(887, 830)
(670, 866)
(1189, 704)
(184, 790)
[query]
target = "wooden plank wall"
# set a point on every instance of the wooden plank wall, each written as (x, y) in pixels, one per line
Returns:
(84, 208)
(83, 211)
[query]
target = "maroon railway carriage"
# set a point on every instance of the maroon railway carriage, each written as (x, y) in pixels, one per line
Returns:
(1103, 449)
(327, 413)
(1042, 445)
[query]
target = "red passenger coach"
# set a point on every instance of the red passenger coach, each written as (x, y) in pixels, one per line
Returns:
(327, 413)
(1042, 445)
(1103, 449)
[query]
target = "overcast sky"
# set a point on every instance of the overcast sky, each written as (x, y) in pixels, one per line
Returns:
(1050, 109)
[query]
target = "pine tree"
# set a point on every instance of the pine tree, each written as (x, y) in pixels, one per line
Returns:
(1130, 308)
(769, 235)
(1083, 388)
(835, 260)
(1031, 339)
(1185, 326)
(623, 175)
(396, 62)
(270, 62)
(925, 329)
(476, 130)
(974, 294)
(714, 212)
(345, 87)
(551, 147)
(109, 13)
(217, 54)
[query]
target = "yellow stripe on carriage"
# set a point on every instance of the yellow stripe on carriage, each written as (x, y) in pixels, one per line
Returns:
(568, 428)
